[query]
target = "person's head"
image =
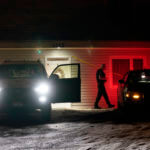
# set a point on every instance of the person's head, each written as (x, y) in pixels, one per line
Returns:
(103, 66)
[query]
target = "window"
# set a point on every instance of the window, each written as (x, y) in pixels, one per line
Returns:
(119, 68)
(137, 64)
(21, 71)
(67, 71)
(122, 66)
(53, 62)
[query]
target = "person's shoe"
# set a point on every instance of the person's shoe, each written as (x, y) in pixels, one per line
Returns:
(111, 106)
(97, 107)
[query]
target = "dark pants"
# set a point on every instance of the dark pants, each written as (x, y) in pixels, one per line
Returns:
(102, 91)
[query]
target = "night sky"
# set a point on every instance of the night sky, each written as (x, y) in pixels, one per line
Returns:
(74, 20)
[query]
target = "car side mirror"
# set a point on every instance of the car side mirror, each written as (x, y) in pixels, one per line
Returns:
(54, 77)
(121, 81)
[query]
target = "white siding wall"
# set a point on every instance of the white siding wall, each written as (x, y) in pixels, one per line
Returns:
(90, 60)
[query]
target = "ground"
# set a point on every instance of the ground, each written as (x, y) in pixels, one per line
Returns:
(78, 130)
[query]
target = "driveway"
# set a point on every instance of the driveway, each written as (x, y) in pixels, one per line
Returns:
(77, 130)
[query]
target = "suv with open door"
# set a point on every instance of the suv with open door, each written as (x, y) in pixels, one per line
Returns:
(26, 89)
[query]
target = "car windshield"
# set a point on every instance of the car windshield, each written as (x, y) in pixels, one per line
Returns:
(139, 76)
(21, 71)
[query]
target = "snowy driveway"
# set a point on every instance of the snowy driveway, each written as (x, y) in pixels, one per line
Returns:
(78, 130)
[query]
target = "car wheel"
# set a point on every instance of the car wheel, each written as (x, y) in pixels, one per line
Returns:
(46, 114)
(120, 107)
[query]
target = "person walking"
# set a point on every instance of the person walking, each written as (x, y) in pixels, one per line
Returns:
(101, 79)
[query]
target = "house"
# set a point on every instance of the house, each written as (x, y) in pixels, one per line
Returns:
(119, 57)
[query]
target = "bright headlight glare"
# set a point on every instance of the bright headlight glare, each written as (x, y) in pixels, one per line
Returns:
(42, 89)
(143, 76)
(127, 95)
(42, 99)
(136, 96)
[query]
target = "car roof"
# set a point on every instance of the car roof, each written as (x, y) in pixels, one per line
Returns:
(142, 70)
(20, 62)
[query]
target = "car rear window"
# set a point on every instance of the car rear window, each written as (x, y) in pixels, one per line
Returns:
(139, 76)
(21, 71)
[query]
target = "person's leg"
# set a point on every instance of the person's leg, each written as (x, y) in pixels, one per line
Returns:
(99, 95)
(106, 97)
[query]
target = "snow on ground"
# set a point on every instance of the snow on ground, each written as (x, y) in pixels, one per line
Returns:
(78, 130)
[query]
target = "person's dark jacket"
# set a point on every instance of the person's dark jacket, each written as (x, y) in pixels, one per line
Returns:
(99, 76)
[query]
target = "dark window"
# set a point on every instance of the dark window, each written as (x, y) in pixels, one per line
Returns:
(119, 68)
(21, 71)
(137, 64)
(126, 77)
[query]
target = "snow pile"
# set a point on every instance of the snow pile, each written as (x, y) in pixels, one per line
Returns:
(79, 130)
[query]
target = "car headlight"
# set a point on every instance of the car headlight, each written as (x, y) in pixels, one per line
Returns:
(42, 99)
(127, 95)
(134, 95)
(42, 88)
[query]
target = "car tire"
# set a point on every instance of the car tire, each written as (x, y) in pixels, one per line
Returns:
(120, 107)
(46, 113)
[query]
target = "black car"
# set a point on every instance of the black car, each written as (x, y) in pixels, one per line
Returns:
(134, 90)
(25, 88)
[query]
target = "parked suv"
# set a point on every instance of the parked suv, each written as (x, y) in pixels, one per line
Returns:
(26, 89)
(133, 90)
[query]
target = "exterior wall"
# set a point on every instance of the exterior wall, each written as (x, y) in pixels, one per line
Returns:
(90, 60)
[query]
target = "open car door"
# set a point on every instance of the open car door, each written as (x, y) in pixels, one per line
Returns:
(66, 83)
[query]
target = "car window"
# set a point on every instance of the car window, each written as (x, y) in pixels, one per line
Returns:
(139, 76)
(125, 77)
(21, 71)
(66, 71)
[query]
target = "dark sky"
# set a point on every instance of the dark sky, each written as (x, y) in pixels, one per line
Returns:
(74, 20)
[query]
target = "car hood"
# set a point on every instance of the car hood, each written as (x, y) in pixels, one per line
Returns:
(21, 83)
